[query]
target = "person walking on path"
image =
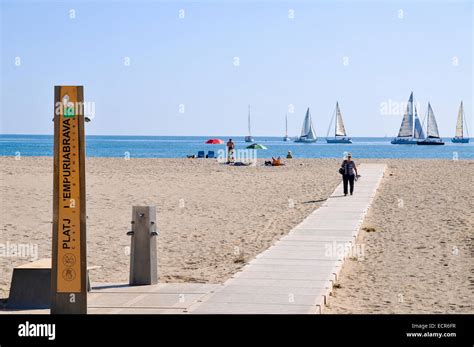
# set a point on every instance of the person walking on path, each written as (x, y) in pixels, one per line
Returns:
(349, 174)
(230, 151)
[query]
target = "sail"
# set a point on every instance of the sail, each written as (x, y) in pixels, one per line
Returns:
(418, 128)
(432, 126)
(312, 134)
(307, 131)
(306, 124)
(406, 129)
(459, 124)
(340, 130)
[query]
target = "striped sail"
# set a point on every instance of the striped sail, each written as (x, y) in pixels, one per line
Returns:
(340, 130)
(431, 125)
(460, 123)
(406, 128)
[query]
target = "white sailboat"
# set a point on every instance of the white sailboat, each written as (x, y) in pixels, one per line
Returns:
(459, 136)
(286, 138)
(308, 135)
(339, 129)
(432, 133)
(249, 137)
(406, 134)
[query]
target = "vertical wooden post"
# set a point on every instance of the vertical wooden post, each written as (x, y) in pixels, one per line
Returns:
(69, 263)
(143, 261)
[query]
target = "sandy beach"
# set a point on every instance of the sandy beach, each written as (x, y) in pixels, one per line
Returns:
(213, 218)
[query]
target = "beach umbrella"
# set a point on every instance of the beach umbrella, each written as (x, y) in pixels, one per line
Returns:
(256, 146)
(214, 141)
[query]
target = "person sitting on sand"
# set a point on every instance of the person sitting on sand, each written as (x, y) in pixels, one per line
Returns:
(230, 151)
(289, 155)
(348, 176)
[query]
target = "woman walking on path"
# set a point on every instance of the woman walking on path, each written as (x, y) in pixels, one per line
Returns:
(350, 173)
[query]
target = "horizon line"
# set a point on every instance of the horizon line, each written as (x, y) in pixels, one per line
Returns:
(210, 136)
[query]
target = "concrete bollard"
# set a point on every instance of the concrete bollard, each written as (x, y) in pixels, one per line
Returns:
(143, 259)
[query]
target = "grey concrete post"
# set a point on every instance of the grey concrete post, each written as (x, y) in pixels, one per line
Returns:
(143, 259)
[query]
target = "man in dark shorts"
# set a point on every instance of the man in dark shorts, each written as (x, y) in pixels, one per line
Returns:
(230, 151)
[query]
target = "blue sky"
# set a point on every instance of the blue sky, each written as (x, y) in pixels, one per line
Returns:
(190, 61)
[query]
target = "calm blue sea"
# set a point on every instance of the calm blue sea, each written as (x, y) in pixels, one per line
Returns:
(180, 146)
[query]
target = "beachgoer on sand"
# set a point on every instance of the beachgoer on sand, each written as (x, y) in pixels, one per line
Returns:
(349, 174)
(276, 162)
(230, 151)
(289, 155)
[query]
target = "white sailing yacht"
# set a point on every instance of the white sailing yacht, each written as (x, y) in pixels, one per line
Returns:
(432, 133)
(339, 129)
(459, 137)
(308, 135)
(408, 135)
(249, 137)
(286, 138)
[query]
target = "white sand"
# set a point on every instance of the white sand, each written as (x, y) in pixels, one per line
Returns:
(229, 213)
(418, 259)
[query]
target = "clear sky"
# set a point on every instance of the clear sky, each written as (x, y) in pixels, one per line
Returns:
(363, 54)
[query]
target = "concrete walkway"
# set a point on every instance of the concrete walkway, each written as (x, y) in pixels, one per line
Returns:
(297, 273)
(162, 298)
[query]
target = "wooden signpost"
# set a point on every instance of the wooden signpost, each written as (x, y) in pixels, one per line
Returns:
(69, 265)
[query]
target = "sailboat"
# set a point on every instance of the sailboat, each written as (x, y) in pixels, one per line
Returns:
(249, 137)
(432, 133)
(406, 134)
(339, 130)
(418, 135)
(286, 138)
(308, 135)
(459, 137)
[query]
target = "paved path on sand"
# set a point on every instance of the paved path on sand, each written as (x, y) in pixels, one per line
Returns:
(297, 273)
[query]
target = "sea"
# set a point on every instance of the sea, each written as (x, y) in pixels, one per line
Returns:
(181, 146)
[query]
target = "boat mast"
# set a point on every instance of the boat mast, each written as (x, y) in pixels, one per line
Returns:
(460, 123)
(249, 122)
(412, 114)
(428, 121)
(286, 124)
(334, 115)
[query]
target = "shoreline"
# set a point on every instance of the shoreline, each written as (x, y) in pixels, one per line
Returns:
(368, 159)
